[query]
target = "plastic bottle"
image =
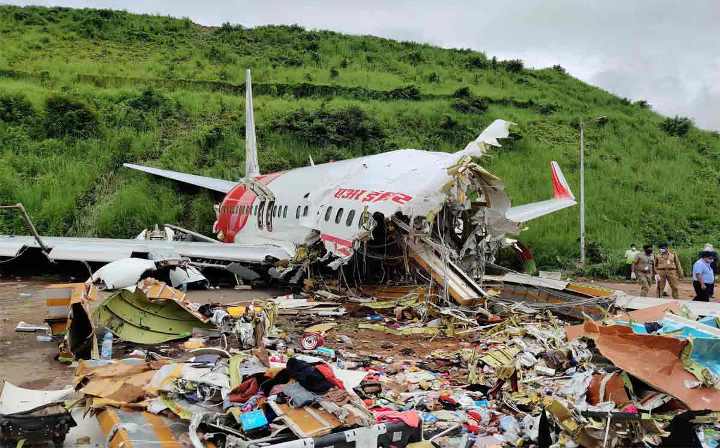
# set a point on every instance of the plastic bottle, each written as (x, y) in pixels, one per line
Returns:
(106, 350)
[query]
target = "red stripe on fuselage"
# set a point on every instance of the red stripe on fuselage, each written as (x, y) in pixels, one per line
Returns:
(237, 206)
(342, 246)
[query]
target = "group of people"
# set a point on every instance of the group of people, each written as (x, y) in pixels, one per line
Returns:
(664, 267)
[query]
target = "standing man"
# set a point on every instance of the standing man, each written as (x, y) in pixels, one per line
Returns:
(703, 277)
(668, 268)
(643, 269)
(630, 255)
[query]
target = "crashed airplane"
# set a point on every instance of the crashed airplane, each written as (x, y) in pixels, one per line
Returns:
(442, 204)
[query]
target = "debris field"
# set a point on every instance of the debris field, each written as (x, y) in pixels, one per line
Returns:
(536, 362)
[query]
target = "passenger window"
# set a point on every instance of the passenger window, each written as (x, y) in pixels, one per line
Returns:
(305, 211)
(285, 212)
(338, 216)
(259, 210)
(349, 220)
(328, 212)
(297, 213)
(274, 209)
(269, 217)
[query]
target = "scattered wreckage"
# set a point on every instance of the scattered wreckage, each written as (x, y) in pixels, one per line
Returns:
(537, 362)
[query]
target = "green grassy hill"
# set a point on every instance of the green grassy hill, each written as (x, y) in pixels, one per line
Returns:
(82, 91)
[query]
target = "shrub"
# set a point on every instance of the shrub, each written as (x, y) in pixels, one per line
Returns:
(559, 68)
(65, 116)
(513, 65)
(334, 73)
(676, 126)
(476, 62)
(344, 127)
(462, 92)
(15, 108)
(643, 104)
(434, 78)
(470, 105)
(148, 100)
(405, 93)
(211, 138)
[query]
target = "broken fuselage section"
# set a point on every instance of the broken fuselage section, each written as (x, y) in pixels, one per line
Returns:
(371, 206)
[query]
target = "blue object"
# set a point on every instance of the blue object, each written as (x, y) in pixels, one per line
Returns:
(106, 350)
(706, 343)
(705, 271)
(482, 403)
(428, 417)
(253, 420)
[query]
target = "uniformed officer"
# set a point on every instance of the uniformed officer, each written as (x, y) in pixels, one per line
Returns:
(669, 269)
(643, 269)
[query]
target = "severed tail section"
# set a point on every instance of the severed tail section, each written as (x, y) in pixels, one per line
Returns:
(562, 198)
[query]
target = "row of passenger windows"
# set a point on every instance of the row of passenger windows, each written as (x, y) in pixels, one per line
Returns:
(339, 216)
(281, 211)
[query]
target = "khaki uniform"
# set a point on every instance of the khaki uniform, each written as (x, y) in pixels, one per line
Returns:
(669, 270)
(644, 268)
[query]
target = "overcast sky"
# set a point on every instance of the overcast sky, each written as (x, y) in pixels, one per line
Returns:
(664, 51)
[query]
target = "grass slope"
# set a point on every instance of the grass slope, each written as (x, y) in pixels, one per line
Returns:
(82, 91)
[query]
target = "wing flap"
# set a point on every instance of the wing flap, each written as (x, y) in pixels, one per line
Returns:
(210, 183)
(102, 253)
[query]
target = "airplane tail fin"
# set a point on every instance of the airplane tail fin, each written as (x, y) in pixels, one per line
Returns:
(561, 189)
(562, 198)
(252, 168)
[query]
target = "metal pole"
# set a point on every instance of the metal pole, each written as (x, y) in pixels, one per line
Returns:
(582, 193)
(45, 250)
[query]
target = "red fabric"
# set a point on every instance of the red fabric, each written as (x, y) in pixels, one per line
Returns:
(410, 418)
(244, 391)
(327, 372)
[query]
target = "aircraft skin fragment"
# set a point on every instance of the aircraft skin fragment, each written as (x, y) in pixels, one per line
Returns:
(134, 317)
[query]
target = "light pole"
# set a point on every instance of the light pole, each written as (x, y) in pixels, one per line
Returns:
(582, 193)
(601, 119)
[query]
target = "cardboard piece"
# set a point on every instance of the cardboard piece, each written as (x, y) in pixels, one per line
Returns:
(306, 421)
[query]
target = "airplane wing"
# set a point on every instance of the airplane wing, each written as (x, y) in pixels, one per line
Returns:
(105, 250)
(562, 198)
(220, 185)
